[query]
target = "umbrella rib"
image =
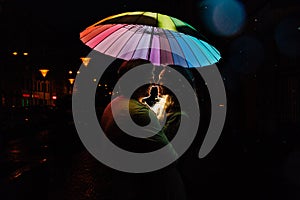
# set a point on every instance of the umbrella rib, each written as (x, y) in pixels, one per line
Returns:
(127, 42)
(209, 50)
(173, 22)
(184, 40)
(137, 45)
(115, 40)
(90, 32)
(150, 42)
(161, 50)
(181, 50)
(139, 18)
(112, 42)
(107, 35)
(201, 49)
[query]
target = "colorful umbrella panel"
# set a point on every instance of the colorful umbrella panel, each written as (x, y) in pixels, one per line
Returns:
(159, 46)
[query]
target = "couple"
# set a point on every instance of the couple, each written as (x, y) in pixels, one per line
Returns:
(163, 184)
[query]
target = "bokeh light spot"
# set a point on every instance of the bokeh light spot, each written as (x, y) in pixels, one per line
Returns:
(223, 18)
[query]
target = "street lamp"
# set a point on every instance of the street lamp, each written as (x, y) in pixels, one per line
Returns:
(85, 60)
(71, 80)
(44, 74)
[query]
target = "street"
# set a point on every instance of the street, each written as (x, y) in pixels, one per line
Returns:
(53, 164)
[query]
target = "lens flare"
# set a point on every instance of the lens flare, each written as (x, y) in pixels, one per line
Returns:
(223, 18)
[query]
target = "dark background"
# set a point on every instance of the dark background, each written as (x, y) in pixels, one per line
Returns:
(257, 156)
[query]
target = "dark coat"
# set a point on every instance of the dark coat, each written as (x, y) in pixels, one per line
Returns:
(163, 184)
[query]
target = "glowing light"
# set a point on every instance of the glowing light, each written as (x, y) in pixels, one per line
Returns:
(17, 174)
(160, 106)
(43, 160)
(161, 74)
(54, 97)
(25, 54)
(15, 151)
(70, 72)
(44, 72)
(94, 80)
(71, 80)
(15, 53)
(85, 60)
(25, 95)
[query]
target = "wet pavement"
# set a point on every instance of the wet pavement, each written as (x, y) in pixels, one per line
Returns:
(23, 164)
(53, 165)
(87, 179)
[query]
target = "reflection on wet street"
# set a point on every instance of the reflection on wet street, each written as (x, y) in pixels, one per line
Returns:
(52, 164)
(88, 179)
(46, 160)
(44, 165)
(24, 153)
(18, 150)
(19, 159)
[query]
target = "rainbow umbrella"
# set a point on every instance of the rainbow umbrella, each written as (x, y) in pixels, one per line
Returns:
(161, 39)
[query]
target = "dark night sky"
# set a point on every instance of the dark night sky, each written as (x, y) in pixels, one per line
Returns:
(259, 147)
(58, 23)
(51, 28)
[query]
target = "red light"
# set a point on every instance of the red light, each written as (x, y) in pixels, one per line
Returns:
(54, 97)
(26, 95)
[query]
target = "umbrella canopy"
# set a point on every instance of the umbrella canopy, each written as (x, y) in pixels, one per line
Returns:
(151, 19)
(161, 46)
